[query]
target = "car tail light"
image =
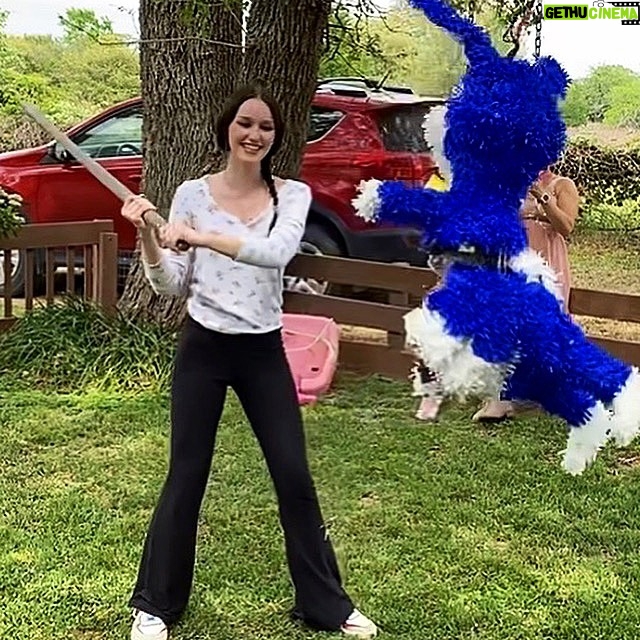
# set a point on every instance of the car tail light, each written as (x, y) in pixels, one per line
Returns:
(394, 166)
(371, 161)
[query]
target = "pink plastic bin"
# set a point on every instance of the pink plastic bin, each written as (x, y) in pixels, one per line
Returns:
(311, 344)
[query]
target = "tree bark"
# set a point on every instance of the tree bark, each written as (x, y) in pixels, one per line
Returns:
(284, 47)
(185, 78)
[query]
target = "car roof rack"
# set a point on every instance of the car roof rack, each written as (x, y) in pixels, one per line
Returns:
(367, 88)
(342, 90)
(407, 90)
(366, 83)
(370, 83)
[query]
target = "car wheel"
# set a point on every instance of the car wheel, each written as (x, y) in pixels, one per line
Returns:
(317, 242)
(320, 241)
(17, 272)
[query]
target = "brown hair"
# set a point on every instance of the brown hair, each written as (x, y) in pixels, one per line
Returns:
(229, 112)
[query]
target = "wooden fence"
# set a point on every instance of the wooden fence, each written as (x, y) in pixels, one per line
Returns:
(379, 349)
(89, 247)
(404, 286)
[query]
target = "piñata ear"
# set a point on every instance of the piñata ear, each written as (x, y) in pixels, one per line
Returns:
(474, 39)
(553, 75)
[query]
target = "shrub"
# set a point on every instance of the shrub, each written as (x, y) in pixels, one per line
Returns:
(10, 213)
(73, 345)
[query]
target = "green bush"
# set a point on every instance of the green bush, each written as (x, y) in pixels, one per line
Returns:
(79, 75)
(624, 110)
(608, 216)
(607, 94)
(603, 175)
(10, 213)
(73, 345)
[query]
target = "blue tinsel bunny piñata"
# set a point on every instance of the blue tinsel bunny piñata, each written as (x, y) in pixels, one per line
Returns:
(496, 323)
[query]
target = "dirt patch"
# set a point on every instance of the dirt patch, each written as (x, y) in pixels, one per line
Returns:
(363, 334)
(625, 460)
(606, 261)
(615, 329)
(606, 135)
(370, 499)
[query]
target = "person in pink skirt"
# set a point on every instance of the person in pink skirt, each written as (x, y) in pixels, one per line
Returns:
(549, 214)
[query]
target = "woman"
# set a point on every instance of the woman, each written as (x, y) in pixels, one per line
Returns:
(549, 213)
(243, 226)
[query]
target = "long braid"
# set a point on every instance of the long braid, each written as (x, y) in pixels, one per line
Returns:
(288, 282)
(265, 172)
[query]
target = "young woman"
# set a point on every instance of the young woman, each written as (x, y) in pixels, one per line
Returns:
(243, 227)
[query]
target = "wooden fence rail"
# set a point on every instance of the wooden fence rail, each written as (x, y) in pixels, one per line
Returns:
(397, 289)
(404, 286)
(93, 245)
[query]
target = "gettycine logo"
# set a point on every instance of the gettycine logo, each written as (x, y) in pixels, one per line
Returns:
(626, 12)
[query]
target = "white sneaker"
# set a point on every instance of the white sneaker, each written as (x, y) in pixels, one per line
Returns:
(148, 627)
(358, 625)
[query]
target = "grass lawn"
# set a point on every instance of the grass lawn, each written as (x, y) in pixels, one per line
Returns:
(444, 531)
(607, 262)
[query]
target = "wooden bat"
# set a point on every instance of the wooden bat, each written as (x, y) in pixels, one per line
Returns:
(114, 185)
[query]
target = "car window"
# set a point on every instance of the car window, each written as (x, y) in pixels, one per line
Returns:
(402, 128)
(120, 135)
(321, 121)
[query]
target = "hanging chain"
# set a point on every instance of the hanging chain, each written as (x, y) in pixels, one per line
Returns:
(538, 41)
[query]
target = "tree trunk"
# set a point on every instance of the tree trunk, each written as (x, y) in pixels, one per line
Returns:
(184, 80)
(284, 46)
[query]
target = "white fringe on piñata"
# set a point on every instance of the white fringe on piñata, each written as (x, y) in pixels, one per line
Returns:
(537, 269)
(367, 202)
(460, 372)
(434, 127)
(584, 442)
(620, 421)
(625, 410)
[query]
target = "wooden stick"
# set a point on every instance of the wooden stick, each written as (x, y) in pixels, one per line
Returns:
(114, 185)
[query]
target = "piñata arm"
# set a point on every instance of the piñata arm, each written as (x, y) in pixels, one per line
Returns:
(396, 203)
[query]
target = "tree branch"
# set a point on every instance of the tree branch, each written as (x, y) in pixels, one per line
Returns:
(117, 41)
(220, 43)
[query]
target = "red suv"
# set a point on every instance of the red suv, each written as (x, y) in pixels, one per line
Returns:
(355, 133)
